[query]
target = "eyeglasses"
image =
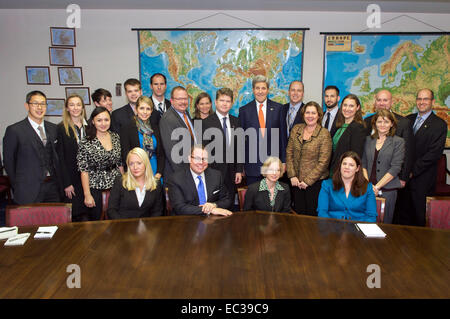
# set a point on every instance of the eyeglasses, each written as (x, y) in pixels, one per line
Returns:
(425, 99)
(199, 159)
(181, 98)
(36, 104)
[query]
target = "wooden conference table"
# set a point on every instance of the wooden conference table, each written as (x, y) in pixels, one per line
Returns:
(247, 255)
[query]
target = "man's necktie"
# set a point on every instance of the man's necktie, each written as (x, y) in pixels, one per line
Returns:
(160, 108)
(201, 191)
(42, 135)
(262, 123)
(327, 121)
(187, 124)
(291, 117)
(225, 130)
(418, 124)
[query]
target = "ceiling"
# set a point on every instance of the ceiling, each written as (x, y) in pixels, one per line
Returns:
(419, 6)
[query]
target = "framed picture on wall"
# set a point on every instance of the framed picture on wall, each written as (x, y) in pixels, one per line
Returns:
(38, 75)
(55, 107)
(62, 37)
(61, 56)
(70, 76)
(81, 91)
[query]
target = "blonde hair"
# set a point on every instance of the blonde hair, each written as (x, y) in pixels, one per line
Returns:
(128, 180)
(269, 161)
(67, 119)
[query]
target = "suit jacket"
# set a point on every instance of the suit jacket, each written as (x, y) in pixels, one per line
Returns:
(275, 118)
(169, 122)
(156, 116)
(352, 139)
(298, 117)
(389, 160)
(183, 192)
(335, 204)
(124, 203)
(230, 167)
(67, 148)
(130, 140)
(404, 131)
(121, 117)
(259, 200)
(24, 160)
(429, 143)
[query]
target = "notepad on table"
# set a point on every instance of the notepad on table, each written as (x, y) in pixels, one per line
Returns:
(18, 240)
(6, 232)
(371, 230)
(46, 232)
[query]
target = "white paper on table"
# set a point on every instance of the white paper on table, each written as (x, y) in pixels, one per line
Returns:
(371, 230)
(18, 240)
(45, 232)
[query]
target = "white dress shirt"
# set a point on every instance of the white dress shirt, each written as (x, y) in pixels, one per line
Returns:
(220, 116)
(140, 194)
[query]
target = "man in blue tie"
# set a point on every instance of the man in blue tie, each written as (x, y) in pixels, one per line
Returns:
(198, 190)
(292, 109)
(430, 133)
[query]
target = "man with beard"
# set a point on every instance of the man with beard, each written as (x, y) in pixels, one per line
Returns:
(331, 98)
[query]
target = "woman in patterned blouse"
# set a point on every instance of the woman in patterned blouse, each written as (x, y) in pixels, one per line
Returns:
(99, 160)
(269, 194)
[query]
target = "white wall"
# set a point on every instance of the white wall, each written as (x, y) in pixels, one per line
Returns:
(107, 49)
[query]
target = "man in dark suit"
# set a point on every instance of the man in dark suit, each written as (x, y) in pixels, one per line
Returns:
(218, 133)
(267, 123)
(158, 83)
(124, 115)
(430, 132)
(198, 189)
(331, 99)
(177, 122)
(292, 109)
(30, 157)
(383, 100)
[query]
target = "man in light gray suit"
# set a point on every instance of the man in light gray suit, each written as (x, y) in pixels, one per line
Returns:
(177, 132)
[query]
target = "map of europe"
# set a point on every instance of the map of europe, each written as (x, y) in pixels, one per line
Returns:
(208, 60)
(401, 63)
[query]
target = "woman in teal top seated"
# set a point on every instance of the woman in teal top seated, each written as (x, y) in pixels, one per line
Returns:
(351, 131)
(140, 133)
(348, 195)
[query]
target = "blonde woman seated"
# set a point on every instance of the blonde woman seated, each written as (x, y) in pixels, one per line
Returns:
(269, 194)
(137, 193)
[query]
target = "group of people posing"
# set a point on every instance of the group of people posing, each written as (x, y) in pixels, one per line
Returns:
(326, 162)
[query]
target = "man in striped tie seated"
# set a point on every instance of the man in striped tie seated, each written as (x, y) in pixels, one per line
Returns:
(198, 190)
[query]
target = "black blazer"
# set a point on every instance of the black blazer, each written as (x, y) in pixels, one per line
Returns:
(124, 203)
(230, 169)
(130, 139)
(353, 139)
(67, 148)
(429, 143)
(404, 131)
(275, 118)
(24, 161)
(120, 118)
(298, 117)
(183, 193)
(256, 200)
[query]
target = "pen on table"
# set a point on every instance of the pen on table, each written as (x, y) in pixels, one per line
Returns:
(18, 237)
(44, 232)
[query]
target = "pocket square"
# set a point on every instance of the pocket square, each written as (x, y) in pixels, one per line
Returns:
(215, 192)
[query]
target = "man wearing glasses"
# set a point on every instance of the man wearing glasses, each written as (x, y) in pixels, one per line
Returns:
(29, 155)
(430, 132)
(177, 131)
(198, 189)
